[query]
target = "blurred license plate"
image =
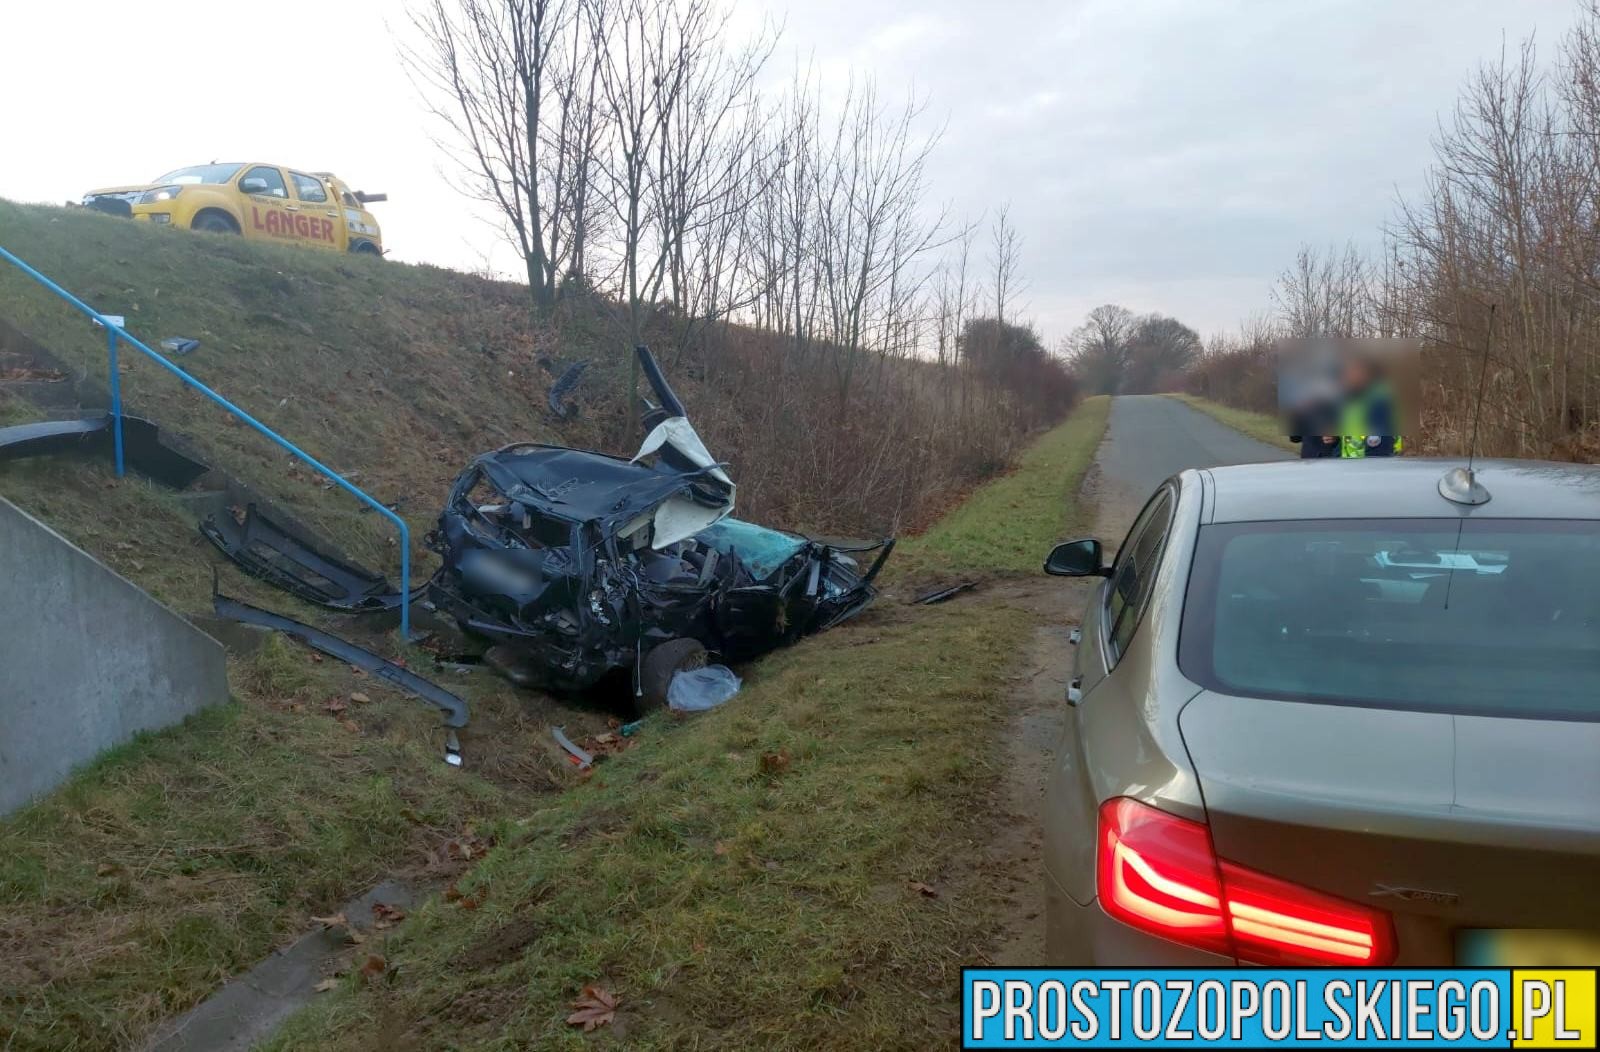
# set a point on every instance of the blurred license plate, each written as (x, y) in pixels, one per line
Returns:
(1527, 948)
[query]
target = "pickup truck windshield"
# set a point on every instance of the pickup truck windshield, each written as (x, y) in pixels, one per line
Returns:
(201, 173)
(1488, 616)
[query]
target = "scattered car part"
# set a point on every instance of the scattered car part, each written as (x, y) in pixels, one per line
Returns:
(700, 689)
(454, 709)
(576, 563)
(585, 761)
(943, 594)
(269, 551)
(141, 445)
(452, 749)
(179, 345)
(564, 385)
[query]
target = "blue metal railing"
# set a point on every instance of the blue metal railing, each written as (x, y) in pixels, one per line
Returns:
(116, 334)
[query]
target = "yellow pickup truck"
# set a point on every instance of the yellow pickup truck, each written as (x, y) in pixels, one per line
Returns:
(265, 201)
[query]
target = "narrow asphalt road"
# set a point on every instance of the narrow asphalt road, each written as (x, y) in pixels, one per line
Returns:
(1151, 438)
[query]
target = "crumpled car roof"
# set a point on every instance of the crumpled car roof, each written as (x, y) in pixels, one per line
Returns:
(581, 485)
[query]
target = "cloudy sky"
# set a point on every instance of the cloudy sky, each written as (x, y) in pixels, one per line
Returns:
(1168, 155)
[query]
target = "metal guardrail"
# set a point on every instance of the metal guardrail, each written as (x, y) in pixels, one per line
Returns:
(116, 335)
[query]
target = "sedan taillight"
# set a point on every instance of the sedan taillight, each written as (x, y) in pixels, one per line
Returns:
(1157, 872)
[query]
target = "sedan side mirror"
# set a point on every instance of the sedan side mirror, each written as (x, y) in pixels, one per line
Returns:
(1081, 558)
(253, 186)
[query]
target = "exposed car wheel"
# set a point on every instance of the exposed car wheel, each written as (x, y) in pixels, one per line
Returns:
(665, 661)
(366, 248)
(214, 223)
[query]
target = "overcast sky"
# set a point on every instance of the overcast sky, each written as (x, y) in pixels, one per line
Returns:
(1168, 156)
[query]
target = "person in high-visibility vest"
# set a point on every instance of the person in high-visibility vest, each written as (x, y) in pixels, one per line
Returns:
(1367, 420)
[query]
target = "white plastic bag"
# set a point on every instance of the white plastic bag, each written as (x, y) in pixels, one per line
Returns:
(696, 690)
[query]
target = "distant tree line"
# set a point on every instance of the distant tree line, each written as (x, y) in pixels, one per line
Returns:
(1118, 352)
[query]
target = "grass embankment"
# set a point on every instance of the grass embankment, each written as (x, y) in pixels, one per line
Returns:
(186, 856)
(396, 374)
(1008, 525)
(1264, 427)
(798, 869)
(715, 890)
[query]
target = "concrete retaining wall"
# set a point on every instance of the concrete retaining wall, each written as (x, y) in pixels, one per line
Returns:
(87, 660)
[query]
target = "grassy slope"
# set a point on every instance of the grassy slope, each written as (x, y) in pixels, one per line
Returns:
(1260, 426)
(181, 859)
(398, 373)
(745, 879)
(189, 854)
(219, 838)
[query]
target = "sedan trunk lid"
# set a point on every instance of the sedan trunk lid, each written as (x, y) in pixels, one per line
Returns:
(1451, 822)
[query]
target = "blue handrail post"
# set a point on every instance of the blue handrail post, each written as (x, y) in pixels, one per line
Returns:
(116, 397)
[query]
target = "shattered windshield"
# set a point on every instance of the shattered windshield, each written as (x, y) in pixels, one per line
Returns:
(200, 173)
(761, 550)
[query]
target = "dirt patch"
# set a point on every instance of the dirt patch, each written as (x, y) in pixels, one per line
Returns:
(500, 947)
(1015, 859)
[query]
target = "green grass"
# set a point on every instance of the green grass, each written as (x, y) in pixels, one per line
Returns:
(177, 861)
(1009, 524)
(745, 879)
(1264, 427)
(718, 898)
(182, 858)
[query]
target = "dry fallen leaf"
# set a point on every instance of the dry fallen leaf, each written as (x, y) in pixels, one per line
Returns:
(596, 1007)
(359, 698)
(775, 762)
(351, 725)
(923, 889)
(326, 985)
(335, 920)
(107, 869)
(373, 966)
(335, 705)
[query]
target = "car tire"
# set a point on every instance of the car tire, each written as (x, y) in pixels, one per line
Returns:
(366, 248)
(214, 223)
(662, 663)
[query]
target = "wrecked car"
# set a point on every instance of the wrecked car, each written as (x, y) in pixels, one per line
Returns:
(577, 564)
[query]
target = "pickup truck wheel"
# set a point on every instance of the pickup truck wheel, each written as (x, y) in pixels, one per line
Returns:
(665, 661)
(214, 223)
(366, 248)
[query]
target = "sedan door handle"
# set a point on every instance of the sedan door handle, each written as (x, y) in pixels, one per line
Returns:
(1075, 690)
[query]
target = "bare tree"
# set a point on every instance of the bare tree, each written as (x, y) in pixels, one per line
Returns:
(1325, 294)
(487, 69)
(1005, 261)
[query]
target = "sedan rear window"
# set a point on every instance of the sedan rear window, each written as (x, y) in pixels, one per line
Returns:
(1489, 616)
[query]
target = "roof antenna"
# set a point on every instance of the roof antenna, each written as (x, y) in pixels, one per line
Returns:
(1460, 485)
